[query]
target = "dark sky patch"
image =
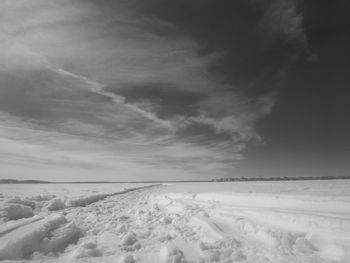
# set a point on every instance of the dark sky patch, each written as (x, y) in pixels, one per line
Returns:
(308, 130)
(168, 99)
(258, 39)
(201, 134)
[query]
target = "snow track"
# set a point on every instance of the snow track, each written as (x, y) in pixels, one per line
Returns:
(162, 224)
(264, 228)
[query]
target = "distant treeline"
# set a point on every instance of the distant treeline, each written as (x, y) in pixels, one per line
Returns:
(280, 178)
(241, 179)
(14, 181)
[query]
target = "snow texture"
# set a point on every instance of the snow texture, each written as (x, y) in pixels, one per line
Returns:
(260, 222)
(15, 211)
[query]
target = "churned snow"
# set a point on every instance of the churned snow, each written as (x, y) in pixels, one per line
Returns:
(251, 222)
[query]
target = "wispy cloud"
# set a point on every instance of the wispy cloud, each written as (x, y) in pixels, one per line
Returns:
(117, 87)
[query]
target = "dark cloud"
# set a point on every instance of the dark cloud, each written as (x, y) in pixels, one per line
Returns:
(255, 43)
(166, 99)
(257, 39)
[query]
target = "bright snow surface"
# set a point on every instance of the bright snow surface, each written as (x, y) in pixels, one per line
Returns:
(284, 221)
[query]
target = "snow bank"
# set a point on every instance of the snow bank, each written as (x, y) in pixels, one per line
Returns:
(15, 211)
(12, 225)
(51, 234)
(59, 238)
(86, 200)
(22, 201)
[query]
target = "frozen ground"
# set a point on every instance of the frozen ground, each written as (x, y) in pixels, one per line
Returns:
(291, 221)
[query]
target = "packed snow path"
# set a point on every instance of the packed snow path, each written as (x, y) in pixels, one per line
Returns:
(228, 227)
(156, 225)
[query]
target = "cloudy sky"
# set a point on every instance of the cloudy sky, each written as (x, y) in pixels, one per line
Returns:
(173, 89)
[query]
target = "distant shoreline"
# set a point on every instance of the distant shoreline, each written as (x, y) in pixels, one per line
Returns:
(14, 181)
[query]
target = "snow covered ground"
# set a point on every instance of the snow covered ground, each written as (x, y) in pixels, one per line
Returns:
(63, 190)
(290, 221)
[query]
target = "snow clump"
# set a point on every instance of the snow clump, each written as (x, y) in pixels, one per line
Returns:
(172, 254)
(55, 204)
(16, 211)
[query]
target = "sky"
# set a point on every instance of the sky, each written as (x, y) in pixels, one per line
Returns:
(120, 90)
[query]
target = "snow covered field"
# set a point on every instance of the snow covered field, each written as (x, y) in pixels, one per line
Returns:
(63, 190)
(290, 221)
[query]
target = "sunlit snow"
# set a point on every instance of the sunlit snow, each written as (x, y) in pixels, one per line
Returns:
(294, 221)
